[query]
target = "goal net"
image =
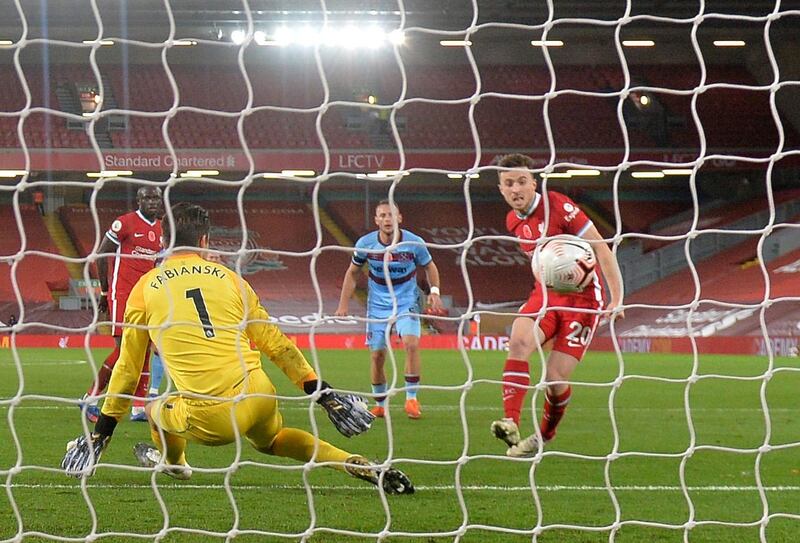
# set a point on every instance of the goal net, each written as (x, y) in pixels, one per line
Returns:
(673, 126)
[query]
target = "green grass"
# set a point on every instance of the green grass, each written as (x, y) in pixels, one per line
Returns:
(465, 485)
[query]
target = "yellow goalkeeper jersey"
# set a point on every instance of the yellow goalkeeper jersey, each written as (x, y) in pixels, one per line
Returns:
(203, 318)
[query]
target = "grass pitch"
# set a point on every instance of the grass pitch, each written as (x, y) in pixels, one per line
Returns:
(466, 489)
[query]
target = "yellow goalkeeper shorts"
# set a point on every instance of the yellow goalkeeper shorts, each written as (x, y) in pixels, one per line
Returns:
(217, 422)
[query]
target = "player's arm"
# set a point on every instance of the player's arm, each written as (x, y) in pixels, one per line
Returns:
(610, 267)
(432, 276)
(83, 453)
(348, 288)
(106, 246)
(347, 412)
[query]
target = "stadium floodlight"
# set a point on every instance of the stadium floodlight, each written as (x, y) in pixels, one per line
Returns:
(455, 43)
(729, 43)
(373, 37)
(306, 36)
(298, 173)
(282, 36)
(677, 171)
(638, 43)
(584, 173)
(460, 176)
(200, 173)
(109, 173)
(384, 174)
(397, 37)
(647, 175)
(101, 42)
(12, 173)
(557, 175)
(238, 36)
(547, 43)
(347, 37)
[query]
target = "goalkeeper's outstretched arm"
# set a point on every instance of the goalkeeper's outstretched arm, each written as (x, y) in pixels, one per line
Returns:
(83, 452)
(347, 412)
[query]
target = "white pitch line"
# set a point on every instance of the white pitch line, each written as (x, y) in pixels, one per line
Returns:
(489, 488)
(449, 408)
(52, 363)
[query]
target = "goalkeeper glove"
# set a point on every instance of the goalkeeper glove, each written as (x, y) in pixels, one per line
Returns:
(348, 412)
(84, 454)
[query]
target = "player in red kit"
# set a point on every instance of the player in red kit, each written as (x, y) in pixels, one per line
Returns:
(136, 239)
(533, 215)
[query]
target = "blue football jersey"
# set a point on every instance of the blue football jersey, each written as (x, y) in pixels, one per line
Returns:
(402, 265)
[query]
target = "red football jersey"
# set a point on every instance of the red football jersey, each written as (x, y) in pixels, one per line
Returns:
(565, 217)
(133, 235)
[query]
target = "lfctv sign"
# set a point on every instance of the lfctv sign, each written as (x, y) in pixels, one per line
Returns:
(354, 161)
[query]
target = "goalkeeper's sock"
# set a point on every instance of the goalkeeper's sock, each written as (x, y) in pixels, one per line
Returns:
(515, 386)
(173, 447)
(156, 374)
(554, 407)
(104, 373)
(412, 385)
(379, 390)
(299, 444)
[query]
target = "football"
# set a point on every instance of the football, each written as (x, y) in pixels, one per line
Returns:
(565, 264)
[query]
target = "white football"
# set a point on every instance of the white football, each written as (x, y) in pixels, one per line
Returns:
(565, 264)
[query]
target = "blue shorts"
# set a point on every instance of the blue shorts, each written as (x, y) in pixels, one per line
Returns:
(407, 324)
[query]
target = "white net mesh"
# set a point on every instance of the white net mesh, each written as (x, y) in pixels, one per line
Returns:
(710, 442)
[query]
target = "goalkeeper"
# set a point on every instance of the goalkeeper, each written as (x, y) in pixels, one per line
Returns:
(222, 391)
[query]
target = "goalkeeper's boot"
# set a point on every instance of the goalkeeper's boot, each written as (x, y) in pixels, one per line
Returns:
(149, 457)
(394, 480)
(507, 431)
(527, 448)
(412, 409)
(379, 411)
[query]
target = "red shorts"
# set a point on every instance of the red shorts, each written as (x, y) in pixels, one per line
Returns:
(116, 312)
(571, 331)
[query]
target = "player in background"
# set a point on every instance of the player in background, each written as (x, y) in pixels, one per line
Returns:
(135, 237)
(402, 262)
(571, 331)
(204, 318)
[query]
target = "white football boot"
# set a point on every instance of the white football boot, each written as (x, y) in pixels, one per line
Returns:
(507, 431)
(527, 448)
(149, 457)
(394, 480)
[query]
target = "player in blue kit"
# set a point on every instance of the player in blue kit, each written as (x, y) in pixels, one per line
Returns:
(402, 262)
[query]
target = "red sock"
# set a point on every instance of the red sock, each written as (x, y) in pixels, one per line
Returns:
(515, 386)
(104, 373)
(554, 408)
(144, 382)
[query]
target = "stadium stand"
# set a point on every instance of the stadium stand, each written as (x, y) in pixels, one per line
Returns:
(34, 284)
(719, 213)
(743, 117)
(738, 266)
